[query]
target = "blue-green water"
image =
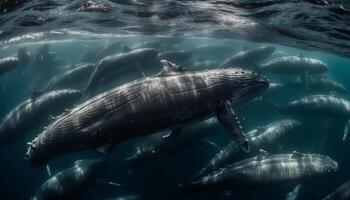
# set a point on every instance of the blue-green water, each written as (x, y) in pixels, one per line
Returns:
(159, 178)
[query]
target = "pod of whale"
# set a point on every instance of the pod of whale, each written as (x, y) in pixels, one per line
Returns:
(259, 138)
(167, 101)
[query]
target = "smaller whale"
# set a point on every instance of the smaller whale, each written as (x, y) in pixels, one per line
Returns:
(266, 171)
(34, 111)
(295, 65)
(320, 85)
(250, 58)
(70, 78)
(258, 138)
(341, 193)
(69, 183)
(120, 63)
(21, 60)
(160, 145)
(322, 105)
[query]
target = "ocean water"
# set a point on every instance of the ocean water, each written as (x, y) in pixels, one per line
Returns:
(207, 33)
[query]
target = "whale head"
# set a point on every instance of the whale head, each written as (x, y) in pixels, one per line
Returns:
(239, 84)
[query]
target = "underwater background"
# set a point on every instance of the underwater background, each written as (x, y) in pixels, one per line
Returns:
(79, 31)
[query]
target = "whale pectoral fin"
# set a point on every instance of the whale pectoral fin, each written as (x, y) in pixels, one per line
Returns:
(106, 149)
(227, 117)
(346, 130)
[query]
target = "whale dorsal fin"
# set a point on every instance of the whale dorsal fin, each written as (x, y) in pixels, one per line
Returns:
(170, 69)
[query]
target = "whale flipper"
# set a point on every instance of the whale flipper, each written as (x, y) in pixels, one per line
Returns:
(227, 117)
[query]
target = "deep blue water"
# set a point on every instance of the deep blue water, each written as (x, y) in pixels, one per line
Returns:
(178, 25)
